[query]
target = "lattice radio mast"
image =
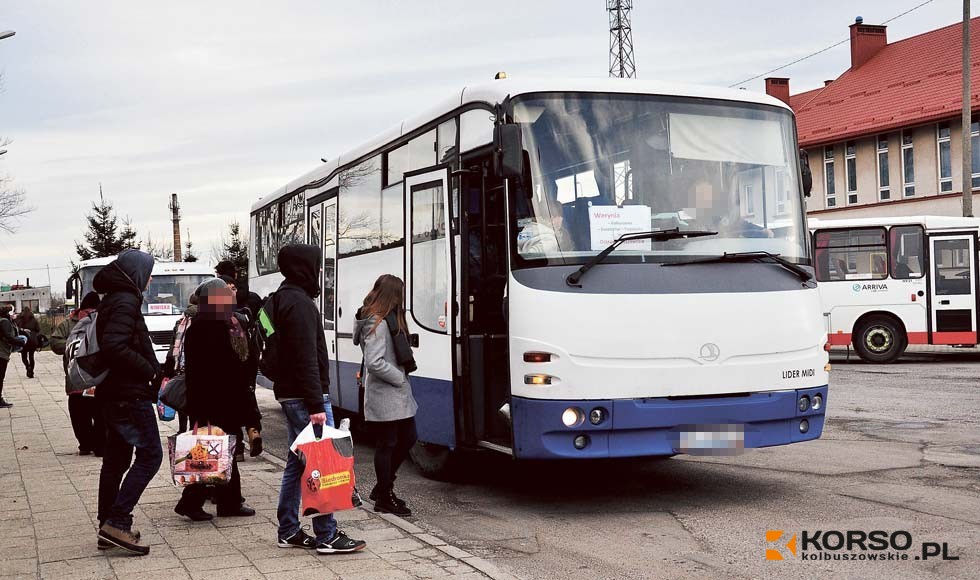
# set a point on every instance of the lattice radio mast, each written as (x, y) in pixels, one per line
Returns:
(620, 39)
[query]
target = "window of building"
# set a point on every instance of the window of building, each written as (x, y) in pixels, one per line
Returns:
(359, 210)
(906, 252)
(945, 158)
(853, 254)
(828, 170)
(850, 170)
(908, 165)
(975, 148)
(884, 191)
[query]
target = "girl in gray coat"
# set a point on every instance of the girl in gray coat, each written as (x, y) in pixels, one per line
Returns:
(382, 333)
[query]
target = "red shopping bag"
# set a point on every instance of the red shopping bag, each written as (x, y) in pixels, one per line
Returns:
(328, 476)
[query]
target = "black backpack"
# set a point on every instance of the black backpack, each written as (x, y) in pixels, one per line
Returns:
(268, 339)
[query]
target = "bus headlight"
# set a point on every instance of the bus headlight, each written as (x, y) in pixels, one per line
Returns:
(597, 415)
(804, 426)
(804, 404)
(537, 380)
(817, 402)
(572, 417)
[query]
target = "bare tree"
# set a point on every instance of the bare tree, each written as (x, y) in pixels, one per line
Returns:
(159, 250)
(13, 205)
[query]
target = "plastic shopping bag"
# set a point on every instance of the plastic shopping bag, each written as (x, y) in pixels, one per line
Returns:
(328, 476)
(201, 456)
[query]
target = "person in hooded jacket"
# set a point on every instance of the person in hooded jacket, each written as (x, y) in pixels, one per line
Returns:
(302, 389)
(9, 339)
(27, 321)
(126, 397)
(389, 405)
(216, 353)
(83, 409)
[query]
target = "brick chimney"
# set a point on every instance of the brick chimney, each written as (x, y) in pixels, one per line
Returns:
(779, 88)
(866, 41)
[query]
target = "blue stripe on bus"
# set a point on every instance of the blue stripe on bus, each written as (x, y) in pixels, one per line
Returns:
(436, 417)
(647, 427)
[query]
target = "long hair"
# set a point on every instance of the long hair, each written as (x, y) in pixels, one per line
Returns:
(386, 296)
(26, 315)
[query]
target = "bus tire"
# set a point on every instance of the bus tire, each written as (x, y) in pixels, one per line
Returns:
(880, 340)
(433, 461)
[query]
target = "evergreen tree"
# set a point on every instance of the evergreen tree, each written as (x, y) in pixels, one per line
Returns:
(104, 238)
(235, 248)
(189, 255)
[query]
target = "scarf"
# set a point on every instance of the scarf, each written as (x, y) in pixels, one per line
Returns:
(403, 350)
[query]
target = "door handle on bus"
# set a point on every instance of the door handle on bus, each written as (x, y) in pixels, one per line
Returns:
(944, 301)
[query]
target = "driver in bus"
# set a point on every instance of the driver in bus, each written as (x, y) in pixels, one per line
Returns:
(712, 214)
(545, 233)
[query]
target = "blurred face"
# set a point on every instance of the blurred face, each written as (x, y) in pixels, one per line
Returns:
(218, 303)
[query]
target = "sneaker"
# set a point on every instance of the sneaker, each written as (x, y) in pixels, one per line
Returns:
(241, 511)
(340, 544)
(386, 504)
(4, 404)
(124, 539)
(197, 515)
(104, 545)
(299, 540)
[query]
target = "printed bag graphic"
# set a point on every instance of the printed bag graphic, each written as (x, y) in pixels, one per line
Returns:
(328, 476)
(202, 456)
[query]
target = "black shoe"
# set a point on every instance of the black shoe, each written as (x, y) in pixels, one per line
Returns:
(83, 451)
(104, 545)
(398, 501)
(4, 404)
(98, 452)
(298, 540)
(197, 515)
(242, 511)
(340, 544)
(386, 504)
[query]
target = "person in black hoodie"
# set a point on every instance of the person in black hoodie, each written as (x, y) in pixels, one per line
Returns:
(302, 389)
(216, 356)
(126, 398)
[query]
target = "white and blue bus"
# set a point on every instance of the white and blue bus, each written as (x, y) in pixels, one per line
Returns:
(700, 331)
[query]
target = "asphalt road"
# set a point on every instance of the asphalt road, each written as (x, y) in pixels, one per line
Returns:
(901, 451)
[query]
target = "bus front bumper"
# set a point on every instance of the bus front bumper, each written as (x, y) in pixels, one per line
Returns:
(666, 426)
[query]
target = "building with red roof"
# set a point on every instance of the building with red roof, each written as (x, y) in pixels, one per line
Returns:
(883, 138)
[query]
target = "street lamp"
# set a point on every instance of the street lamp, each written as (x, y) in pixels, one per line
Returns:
(6, 34)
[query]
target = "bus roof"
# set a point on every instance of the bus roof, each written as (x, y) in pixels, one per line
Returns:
(929, 222)
(497, 91)
(159, 268)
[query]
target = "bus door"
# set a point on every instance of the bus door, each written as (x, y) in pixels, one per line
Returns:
(953, 289)
(323, 232)
(429, 301)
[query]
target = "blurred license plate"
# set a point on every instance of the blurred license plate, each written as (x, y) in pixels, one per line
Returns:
(710, 439)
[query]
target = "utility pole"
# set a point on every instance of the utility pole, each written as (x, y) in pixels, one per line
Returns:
(966, 118)
(175, 217)
(620, 39)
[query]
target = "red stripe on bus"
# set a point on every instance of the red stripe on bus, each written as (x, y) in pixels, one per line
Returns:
(954, 338)
(839, 339)
(918, 338)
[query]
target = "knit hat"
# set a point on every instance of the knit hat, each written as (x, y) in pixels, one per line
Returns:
(209, 284)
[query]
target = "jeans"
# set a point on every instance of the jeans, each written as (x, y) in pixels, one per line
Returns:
(324, 526)
(27, 357)
(87, 423)
(394, 440)
(3, 374)
(129, 425)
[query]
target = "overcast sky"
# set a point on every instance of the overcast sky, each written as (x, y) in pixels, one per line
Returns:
(223, 101)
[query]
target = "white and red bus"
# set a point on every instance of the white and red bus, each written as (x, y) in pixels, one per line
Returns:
(890, 282)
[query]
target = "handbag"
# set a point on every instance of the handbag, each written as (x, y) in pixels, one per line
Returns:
(173, 393)
(201, 457)
(164, 411)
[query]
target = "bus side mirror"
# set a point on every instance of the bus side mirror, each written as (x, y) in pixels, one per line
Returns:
(70, 289)
(509, 152)
(806, 173)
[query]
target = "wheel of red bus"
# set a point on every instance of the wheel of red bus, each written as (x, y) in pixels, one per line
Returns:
(433, 461)
(880, 339)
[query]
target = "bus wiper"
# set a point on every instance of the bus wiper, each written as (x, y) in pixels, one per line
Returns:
(655, 235)
(751, 257)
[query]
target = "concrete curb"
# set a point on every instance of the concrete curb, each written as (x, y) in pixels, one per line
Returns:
(419, 534)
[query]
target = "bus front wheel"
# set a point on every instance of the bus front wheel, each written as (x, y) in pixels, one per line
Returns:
(433, 461)
(880, 339)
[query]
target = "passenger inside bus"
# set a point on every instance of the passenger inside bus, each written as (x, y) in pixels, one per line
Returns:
(545, 234)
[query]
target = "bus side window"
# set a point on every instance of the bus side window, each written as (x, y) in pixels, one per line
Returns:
(906, 252)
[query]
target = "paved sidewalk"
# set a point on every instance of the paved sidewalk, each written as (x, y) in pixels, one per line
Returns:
(48, 514)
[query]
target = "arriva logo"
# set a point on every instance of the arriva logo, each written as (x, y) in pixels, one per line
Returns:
(869, 287)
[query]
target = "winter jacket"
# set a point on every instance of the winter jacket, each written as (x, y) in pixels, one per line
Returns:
(217, 385)
(33, 331)
(387, 391)
(303, 360)
(124, 342)
(8, 334)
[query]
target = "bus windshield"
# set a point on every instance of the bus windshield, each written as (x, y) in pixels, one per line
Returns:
(170, 294)
(602, 165)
